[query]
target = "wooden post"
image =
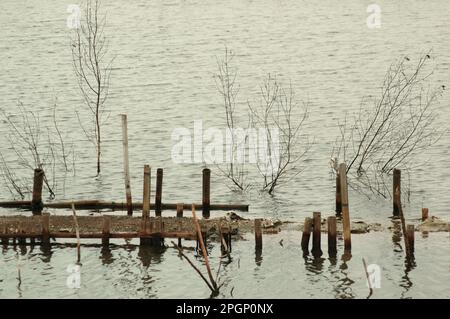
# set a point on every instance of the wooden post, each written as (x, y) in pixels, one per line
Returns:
(424, 214)
(106, 230)
(158, 195)
(21, 240)
(306, 235)
(338, 196)
(410, 236)
(258, 235)
(397, 191)
(146, 195)
(179, 215)
(180, 207)
(206, 183)
(345, 207)
(38, 181)
(45, 220)
(126, 166)
(332, 248)
(316, 249)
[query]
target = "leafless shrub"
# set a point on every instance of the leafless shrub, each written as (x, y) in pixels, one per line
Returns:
(282, 120)
(93, 70)
(388, 131)
(33, 146)
(235, 169)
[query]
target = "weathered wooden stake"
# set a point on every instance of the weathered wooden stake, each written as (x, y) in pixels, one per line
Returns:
(396, 194)
(345, 207)
(410, 237)
(338, 196)
(179, 215)
(258, 235)
(21, 240)
(306, 235)
(106, 230)
(316, 249)
(126, 166)
(332, 248)
(45, 219)
(424, 214)
(158, 195)
(38, 181)
(146, 195)
(206, 183)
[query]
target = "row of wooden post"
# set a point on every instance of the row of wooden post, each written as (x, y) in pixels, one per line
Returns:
(397, 211)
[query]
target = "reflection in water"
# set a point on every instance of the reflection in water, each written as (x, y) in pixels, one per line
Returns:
(47, 253)
(258, 257)
(406, 282)
(396, 235)
(343, 287)
(149, 254)
(106, 256)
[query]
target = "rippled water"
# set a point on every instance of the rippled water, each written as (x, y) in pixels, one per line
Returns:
(165, 57)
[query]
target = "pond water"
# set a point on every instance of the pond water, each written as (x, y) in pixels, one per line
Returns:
(165, 58)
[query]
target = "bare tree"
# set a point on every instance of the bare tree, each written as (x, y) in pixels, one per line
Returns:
(33, 146)
(388, 131)
(235, 169)
(282, 120)
(93, 70)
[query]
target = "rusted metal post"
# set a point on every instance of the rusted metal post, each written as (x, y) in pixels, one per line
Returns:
(158, 195)
(332, 248)
(397, 191)
(126, 166)
(106, 230)
(45, 220)
(345, 207)
(424, 214)
(306, 235)
(258, 235)
(146, 195)
(38, 181)
(206, 183)
(316, 249)
(338, 196)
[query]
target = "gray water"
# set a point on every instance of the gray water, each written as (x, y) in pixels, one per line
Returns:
(165, 58)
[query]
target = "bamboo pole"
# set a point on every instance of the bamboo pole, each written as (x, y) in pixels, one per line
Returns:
(203, 248)
(126, 166)
(146, 195)
(345, 207)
